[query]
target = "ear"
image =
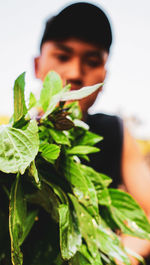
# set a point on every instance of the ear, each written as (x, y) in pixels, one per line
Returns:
(36, 66)
(105, 74)
(104, 77)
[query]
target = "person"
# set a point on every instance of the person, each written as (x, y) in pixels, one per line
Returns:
(76, 44)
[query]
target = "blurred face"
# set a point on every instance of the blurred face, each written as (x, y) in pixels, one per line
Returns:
(77, 62)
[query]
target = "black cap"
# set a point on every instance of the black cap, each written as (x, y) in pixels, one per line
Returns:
(81, 20)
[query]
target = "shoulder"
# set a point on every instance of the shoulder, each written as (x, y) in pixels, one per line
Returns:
(105, 124)
(103, 118)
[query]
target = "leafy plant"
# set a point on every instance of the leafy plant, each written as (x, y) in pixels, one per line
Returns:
(60, 210)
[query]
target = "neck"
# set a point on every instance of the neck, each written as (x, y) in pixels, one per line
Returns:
(84, 116)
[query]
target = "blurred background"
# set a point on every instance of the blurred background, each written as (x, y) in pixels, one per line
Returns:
(127, 86)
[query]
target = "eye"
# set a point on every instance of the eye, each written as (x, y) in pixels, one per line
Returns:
(62, 57)
(94, 62)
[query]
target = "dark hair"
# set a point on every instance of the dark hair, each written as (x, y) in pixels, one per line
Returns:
(80, 20)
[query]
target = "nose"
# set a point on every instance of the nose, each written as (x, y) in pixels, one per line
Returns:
(75, 72)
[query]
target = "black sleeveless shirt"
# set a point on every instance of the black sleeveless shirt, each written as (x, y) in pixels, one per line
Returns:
(108, 160)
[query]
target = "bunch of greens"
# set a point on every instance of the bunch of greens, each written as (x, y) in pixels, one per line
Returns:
(60, 210)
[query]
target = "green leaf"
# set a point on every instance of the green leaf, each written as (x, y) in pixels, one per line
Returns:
(85, 157)
(98, 179)
(52, 85)
(81, 93)
(81, 124)
(44, 135)
(17, 215)
(59, 137)
(27, 225)
(72, 95)
(82, 150)
(88, 229)
(21, 124)
(104, 179)
(58, 191)
(54, 101)
(100, 182)
(83, 257)
(47, 199)
(103, 196)
(107, 218)
(74, 109)
(50, 151)
(97, 236)
(82, 186)
(109, 244)
(89, 138)
(54, 82)
(34, 173)
(20, 108)
(18, 147)
(70, 237)
(128, 215)
(32, 101)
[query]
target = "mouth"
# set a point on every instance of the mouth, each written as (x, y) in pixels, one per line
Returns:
(75, 87)
(75, 84)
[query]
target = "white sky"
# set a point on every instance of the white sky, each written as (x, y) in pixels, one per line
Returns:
(127, 86)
